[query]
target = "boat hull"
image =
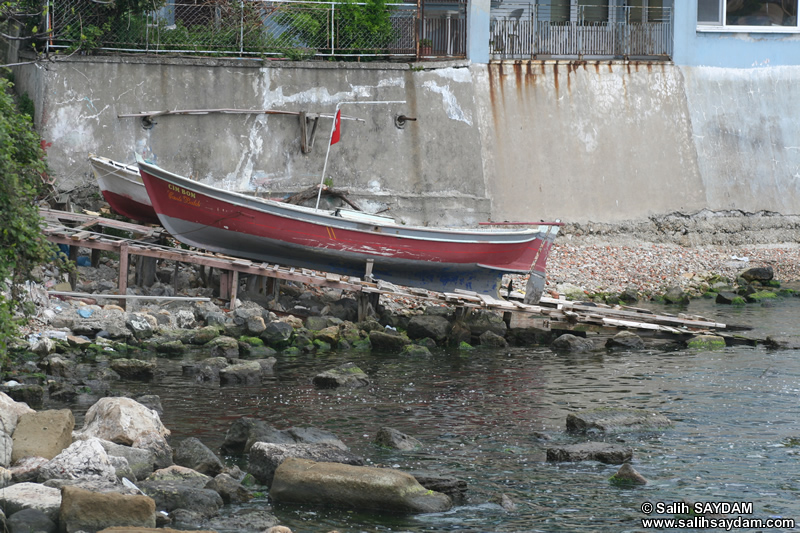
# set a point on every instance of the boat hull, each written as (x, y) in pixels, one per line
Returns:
(265, 230)
(123, 189)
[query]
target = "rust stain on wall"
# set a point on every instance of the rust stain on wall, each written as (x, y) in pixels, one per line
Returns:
(555, 78)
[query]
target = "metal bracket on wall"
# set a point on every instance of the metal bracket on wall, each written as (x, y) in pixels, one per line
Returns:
(306, 138)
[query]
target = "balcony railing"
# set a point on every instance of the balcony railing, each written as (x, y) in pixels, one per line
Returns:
(525, 31)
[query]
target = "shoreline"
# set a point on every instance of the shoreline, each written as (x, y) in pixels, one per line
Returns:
(611, 265)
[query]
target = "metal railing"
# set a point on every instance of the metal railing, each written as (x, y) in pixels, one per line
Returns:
(526, 30)
(296, 29)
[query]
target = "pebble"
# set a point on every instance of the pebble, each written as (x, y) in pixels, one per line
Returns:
(649, 267)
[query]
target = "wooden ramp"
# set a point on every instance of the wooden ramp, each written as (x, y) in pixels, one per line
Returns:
(99, 233)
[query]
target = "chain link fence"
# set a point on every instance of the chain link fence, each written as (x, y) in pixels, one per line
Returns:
(295, 29)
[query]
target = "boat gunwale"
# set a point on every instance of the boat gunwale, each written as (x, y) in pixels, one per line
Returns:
(330, 219)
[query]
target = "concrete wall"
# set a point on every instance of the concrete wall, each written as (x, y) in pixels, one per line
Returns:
(602, 141)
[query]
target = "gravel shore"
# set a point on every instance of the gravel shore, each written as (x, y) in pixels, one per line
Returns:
(613, 266)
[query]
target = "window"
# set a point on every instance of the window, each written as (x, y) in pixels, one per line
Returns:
(755, 14)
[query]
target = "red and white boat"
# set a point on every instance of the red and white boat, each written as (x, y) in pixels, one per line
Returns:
(344, 241)
(123, 189)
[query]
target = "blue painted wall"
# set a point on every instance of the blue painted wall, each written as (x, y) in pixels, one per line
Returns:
(729, 50)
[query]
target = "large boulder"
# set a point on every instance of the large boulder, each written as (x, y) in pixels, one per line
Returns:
(304, 481)
(134, 368)
(193, 454)
(29, 520)
(180, 475)
(42, 434)
(392, 438)
(246, 431)
(265, 457)
(345, 375)
(572, 343)
(31, 496)
(429, 326)
(241, 373)
(388, 341)
(83, 510)
(229, 489)
(590, 451)
(141, 462)
(616, 420)
(170, 495)
(84, 460)
(126, 421)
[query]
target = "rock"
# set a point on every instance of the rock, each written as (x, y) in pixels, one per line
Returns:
(304, 481)
(625, 340)
(459, 333)
(10, 411)
(223, 346)
(127, 422)
(44, 347)
(480, 321)
(91, 511)
(505, 501)
(453, 487)
(253, 520)
(139, 325)
(590, 451)
(169, 495)
(315, 436)
(59, 367)
(204, 335)
(27, 469)
(277, 334)
(30, 520)
(84, 460)
(31, 496)
(243, 373)
(245, 431)
(417, 350)
(134, 368)
(383, 341)
(265, 457)
(571, 291)
(626, 475)
(616, 420)
(193, 454)
(169, 348)
(346, 375)
(124, 529)
(151, 401)
(759, 274)
(180, 475)
(490, 338)
(6, 477)
(572, 343)
(730, 298)
(255, 325)
(706, 342)
(676, 295)
(392, 438)
(431, 326)
(43, 434)
(229, 489)
(185, 319)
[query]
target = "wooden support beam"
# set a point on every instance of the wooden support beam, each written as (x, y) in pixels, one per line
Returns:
(123, 271)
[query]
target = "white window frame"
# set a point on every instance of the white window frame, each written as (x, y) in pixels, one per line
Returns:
(723, 28)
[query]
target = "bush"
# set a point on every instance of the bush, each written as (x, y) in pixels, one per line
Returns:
(22, 243)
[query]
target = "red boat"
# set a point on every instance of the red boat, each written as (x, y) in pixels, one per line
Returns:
(123, 189)
(344, 241)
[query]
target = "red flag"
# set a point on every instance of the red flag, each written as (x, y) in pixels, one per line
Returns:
(337, 128)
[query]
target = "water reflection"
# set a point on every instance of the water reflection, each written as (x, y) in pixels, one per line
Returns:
(483, 416)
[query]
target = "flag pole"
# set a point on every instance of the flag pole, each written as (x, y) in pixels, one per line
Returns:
(333, 128)
(325, 166)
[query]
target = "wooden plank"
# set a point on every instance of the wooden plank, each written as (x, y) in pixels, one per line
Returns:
(630, 324)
